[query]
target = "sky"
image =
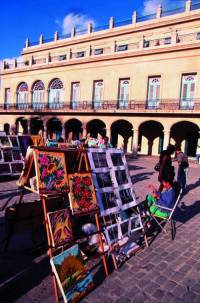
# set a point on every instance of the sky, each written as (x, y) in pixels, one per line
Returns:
(20, 19)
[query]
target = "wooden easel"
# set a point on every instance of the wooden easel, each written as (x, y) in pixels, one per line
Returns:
(81, 158)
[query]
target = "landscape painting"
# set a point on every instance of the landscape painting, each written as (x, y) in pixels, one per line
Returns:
(4, 168)
(51, 171)
(71, 274)
(5, 142)
(121, 177)
(7, 155)
(117, 159)
(17, 168)
(127, 197)
(14, 141)
(16, 155)
(82, 193)
(104, 180)
(60, 227)
(99, 159)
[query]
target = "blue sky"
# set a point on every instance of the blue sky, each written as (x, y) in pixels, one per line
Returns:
(22, 18)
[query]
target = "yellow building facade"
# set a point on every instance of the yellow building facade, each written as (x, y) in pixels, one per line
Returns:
(137, 81)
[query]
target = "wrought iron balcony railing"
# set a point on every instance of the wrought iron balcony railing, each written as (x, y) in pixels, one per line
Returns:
(165, 105)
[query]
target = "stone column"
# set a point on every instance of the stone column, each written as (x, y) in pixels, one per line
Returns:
(55, 36)
(159, 12)
(188, 6)
(73, 32)
(135, 141)
(46, 97)
(166, 138)
(41, 39)
(27, 43)
(63, 132)
(111, 23)
(134, 18)
(45, 132)
(89, 28)
(84, 132)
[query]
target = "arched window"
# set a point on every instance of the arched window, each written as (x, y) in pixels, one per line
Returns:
(56, 94)
(22, 96)
(153, 97)
(38, 92)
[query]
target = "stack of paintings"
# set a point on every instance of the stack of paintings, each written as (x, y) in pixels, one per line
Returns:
(11, 162)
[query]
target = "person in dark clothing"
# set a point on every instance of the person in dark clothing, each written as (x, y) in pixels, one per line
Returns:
(166, 168)
(183, 166)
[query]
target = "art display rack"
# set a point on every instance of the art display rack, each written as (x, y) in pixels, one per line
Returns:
(78, 164)
(11, 159)
(115, 195)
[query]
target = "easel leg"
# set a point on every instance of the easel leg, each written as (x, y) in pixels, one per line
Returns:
(55, 287)
(101, 244)
(8, 237)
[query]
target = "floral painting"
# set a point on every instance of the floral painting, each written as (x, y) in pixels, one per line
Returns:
(51, 169)
(60, 227)
(82, 193)
(72, 276)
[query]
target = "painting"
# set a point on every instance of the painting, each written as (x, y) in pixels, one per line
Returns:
(124, 228)
(5, 142)
(16, 155)
(104, 180)
(7, 155)
(117, 159)
(121, 177)
(51, 171)
(135, 223)
(17, 168)
(112, 233)
(107, 203)
(99, 159)
(60, 227)
(82, 193)
(14, 141)
(1, 156)
(24, 142)
(71, 274)
(4, 168)
(127, 197)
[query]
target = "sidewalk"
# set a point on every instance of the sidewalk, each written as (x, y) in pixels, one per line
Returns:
(167, 271)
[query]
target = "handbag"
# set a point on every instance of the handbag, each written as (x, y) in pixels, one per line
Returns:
(157, 166)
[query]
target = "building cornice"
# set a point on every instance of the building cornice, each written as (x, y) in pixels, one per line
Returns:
(130, 29)
(115, 56)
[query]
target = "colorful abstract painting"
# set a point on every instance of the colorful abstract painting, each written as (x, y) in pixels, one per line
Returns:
(71, 274)
(60, 227)
(82, 193)
(51, 171)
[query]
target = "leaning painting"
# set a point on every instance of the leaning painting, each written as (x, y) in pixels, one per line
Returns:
(71, 274)
(51, 171)
(82, 193)
(60, 227)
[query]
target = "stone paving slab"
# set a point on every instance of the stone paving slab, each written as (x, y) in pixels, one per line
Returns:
(167, 271)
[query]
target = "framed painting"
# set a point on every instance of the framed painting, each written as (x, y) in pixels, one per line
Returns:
(98, 159)
(104, 179)
(112, 233)
(127, 197)
(4, 141)
(135, 223)
(117, 158)
(121, 177)
(51, 171)
(16, 154)
(60, 227)
(7, 155)
(71, 274)
(82, 193)
(16, 168)
(124, 228)
(108, 202)
(5, 169)
(14, 141)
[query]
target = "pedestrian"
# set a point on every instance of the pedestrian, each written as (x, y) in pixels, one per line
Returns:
(197, 154)
(183, 166)
(105, 143)
(166, 169)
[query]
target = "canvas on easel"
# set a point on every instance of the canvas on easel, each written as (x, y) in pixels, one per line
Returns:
(60, 227)
(71, 274)
(51, 171)
(82, 193)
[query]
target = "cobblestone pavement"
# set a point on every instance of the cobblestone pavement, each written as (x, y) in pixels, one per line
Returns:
(167, 271)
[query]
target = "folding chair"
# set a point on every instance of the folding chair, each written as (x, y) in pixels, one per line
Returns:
(168, 220)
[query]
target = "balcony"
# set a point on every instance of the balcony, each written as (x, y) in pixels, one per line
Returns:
(133, 106)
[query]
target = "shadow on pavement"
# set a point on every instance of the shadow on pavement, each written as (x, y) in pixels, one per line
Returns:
(140, 177)
(184, 213)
